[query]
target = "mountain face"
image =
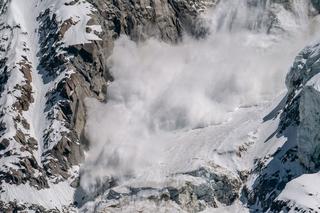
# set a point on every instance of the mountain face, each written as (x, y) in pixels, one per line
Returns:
(59, 59)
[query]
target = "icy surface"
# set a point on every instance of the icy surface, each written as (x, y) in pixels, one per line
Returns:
(303, 192)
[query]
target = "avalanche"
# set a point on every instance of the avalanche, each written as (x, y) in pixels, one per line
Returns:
(173, 109)
(217, 123)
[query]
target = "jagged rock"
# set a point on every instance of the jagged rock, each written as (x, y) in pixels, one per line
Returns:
(302, 99)
(308, 136)
(192, 191)
(20, 137)
(33, 144)
(226, 185)
(4, 144)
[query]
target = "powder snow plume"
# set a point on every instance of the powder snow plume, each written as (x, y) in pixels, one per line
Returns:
(162, 89)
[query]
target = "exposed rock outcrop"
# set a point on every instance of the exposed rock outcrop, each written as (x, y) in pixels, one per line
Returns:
(193, 191)
(301, 107)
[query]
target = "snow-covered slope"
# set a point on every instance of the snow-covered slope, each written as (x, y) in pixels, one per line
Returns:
(196, 118)
(31, 129)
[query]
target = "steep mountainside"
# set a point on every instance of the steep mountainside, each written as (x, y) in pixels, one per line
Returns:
(55, 55)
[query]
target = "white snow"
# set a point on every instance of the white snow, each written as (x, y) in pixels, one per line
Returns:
(80, 14)
(237, 207)
(314, 82)
(303, 192)
(171, 108)
(57, 196)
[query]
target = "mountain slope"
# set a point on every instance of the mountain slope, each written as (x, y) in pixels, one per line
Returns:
(161, 130)
(52, 57)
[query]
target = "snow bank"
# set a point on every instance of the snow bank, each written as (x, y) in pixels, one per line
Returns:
(303, 192)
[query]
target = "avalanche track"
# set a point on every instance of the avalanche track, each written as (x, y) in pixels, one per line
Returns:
(159, 106)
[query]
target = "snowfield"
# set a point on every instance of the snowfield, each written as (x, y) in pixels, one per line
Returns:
(303, 191)
(197, 126)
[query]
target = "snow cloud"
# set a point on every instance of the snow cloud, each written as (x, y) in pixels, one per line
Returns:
(161, 88)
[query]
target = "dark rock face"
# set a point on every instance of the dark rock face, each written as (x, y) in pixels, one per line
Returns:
(316, 4)
(272, 177)
(166, 20)
(300, 109)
